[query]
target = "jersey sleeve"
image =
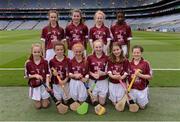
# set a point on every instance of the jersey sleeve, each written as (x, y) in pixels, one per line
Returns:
(62, 35)
(129, 33)
(109, 69)
(148, 69)
(26, 70)
(43, 34)
(67, 33)
(47, 68)
(91, 34)
(86, 31)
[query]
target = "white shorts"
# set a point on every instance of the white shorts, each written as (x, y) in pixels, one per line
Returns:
(59, 93)
(49, 54)
(140, 96)
(38, 93)
(77, 90)
(101, 88)
(116, 92)
(124, 48)
(105, 50)
(71, 54)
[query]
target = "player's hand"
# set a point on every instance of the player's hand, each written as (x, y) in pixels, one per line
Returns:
(101, 73)
(39, 77)
(84, 80)
(138, 72)
(132, 75)
(54, 72)
(78, 76)
(96, 75)
(117, 77)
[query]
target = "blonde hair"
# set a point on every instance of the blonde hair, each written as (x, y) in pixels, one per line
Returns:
(98, 41)
(101, 13)
(37, 45)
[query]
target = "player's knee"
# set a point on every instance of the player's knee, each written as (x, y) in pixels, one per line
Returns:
(45, 103)
(37, 104)
(142, 107)
(102, 100)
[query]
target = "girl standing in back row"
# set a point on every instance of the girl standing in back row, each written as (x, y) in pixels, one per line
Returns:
(100, 31)
(50, 34)
(121, 32)
(76, 32)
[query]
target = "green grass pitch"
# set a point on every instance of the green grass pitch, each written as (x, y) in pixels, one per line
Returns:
(161, 49)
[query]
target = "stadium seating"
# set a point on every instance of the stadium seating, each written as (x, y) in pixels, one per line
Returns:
(140, 14)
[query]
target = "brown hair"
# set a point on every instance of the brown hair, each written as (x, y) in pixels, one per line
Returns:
(58, 43)
(138, 46)
(56, 12)
(80, 12)
(112, 56)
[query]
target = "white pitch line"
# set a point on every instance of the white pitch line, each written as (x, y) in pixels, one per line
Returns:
(155, 69)
(6, 69)
(168, 69)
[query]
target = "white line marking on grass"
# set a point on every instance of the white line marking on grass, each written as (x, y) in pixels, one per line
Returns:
(155, 69)
(168, 69)
(6, 69)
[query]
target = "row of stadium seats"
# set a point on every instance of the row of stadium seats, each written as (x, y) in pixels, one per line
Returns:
(170, 22)
(73, 3)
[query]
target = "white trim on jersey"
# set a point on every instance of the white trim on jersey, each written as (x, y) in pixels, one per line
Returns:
(42, 39)
(129, 38)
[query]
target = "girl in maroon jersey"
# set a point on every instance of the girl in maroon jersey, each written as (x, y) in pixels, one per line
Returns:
(50, 34)
(78, 73)
(140, 90)
(100, 31)
(117, 70)
(76, 32)
(36, 71)
(97, 69)
(121, 32)
(59, 67)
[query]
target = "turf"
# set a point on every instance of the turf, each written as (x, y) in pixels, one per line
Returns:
(16, 106)
(160, 78)
(161, 49)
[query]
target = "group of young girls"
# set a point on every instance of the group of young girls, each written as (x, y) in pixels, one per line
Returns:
(100, 72)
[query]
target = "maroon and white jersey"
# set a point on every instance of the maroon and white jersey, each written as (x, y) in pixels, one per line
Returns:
(78, 67)
(117, 68)
(95, 64)
(51, 35)
(101, 33)
(76, 34)
(144, 66)
(61, 68)
(121, 33)
(31, 68)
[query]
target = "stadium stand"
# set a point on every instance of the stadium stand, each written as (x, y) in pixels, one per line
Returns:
(141, 14)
